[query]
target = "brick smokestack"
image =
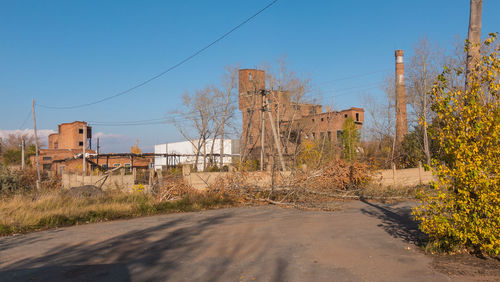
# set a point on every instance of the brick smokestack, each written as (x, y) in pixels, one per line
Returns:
(401, 119)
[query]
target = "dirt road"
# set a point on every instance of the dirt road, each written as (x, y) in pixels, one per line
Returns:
(360, 242)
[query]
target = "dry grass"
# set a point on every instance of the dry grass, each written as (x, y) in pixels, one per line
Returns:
(34, 211)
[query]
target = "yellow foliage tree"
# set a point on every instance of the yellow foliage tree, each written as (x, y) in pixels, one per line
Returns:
(135, 149)
(462, 210)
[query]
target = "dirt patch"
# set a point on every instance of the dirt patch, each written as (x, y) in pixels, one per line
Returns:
(466, 267)
(85, 191)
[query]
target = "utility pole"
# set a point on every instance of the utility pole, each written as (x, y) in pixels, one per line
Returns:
(22, 154)
(39, 179)
(84, 145)
(263, 130)
(474, 39)
(275, 135)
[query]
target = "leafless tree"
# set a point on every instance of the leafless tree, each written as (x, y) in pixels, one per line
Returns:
(380, 120)
(197, 123)
(421, 72)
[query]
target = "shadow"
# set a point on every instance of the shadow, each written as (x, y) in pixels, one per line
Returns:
(185, 247)
(102, 272)
(396, 221)
(162, 244)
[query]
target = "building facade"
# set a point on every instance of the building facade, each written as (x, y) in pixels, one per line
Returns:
(185, 152)
(270, 115)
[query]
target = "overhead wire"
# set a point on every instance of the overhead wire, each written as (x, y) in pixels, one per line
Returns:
(165, 71)
(25, 120)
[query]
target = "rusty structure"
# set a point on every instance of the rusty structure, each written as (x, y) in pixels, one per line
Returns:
(401, 115)
(274, 122)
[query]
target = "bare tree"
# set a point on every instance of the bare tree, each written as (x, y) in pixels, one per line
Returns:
(225, 105)
(422, 72)
(380, 121)
(197, 124)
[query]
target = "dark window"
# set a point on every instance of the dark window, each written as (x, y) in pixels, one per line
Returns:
(339, 136)
(345, 115)
(116, 165)
(313, 120)
(357, 116)
(321, 119)
(80, 143)
(47, 158)
(330, 135)
(80, 130)
(46, 166)
(104, 166)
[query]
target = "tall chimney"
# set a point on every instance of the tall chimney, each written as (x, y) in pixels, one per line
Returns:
(401, 119)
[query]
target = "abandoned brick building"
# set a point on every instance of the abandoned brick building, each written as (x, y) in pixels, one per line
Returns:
(279, 116)
(65, 151)
(65, 144)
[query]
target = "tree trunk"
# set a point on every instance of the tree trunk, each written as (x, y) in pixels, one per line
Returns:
(426, 136)
(474, 38)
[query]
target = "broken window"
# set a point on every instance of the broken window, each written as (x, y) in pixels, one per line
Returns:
(357, 116)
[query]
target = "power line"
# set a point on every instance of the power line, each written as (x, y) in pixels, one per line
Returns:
(354, 76)
(165, 71)
(25, 120)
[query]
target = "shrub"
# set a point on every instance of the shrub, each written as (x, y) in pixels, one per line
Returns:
(463, 210)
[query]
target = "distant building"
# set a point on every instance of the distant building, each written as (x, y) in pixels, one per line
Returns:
(66, 143)
(294, 122)
(65, 151)
(185, 152)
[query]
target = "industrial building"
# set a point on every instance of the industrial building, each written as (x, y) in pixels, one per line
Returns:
(270, 115)
(186, 152)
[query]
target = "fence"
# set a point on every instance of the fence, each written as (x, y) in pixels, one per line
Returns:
(389, 177)
(403, 177)
(117, 180)
(201, 180)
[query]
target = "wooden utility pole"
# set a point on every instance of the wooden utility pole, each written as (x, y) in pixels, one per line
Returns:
(474, 39)
(39, 178)
(276, 139)
(84, 145)
(22, 154)
(263, 130)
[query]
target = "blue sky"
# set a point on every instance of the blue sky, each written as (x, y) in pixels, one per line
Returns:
(72, 52)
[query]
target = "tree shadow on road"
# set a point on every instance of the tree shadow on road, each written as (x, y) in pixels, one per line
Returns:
(396, 221)
(169, 250)
(167, 242)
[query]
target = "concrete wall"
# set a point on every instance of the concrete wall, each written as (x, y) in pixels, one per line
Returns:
(121, 181)
(386, 178)
(403, 177)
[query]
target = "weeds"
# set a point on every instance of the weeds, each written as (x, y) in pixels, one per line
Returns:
(47, 209)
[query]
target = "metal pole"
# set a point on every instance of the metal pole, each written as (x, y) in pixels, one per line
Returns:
(262, 133)
(39, 179)
(84, 145)
(22, 154)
